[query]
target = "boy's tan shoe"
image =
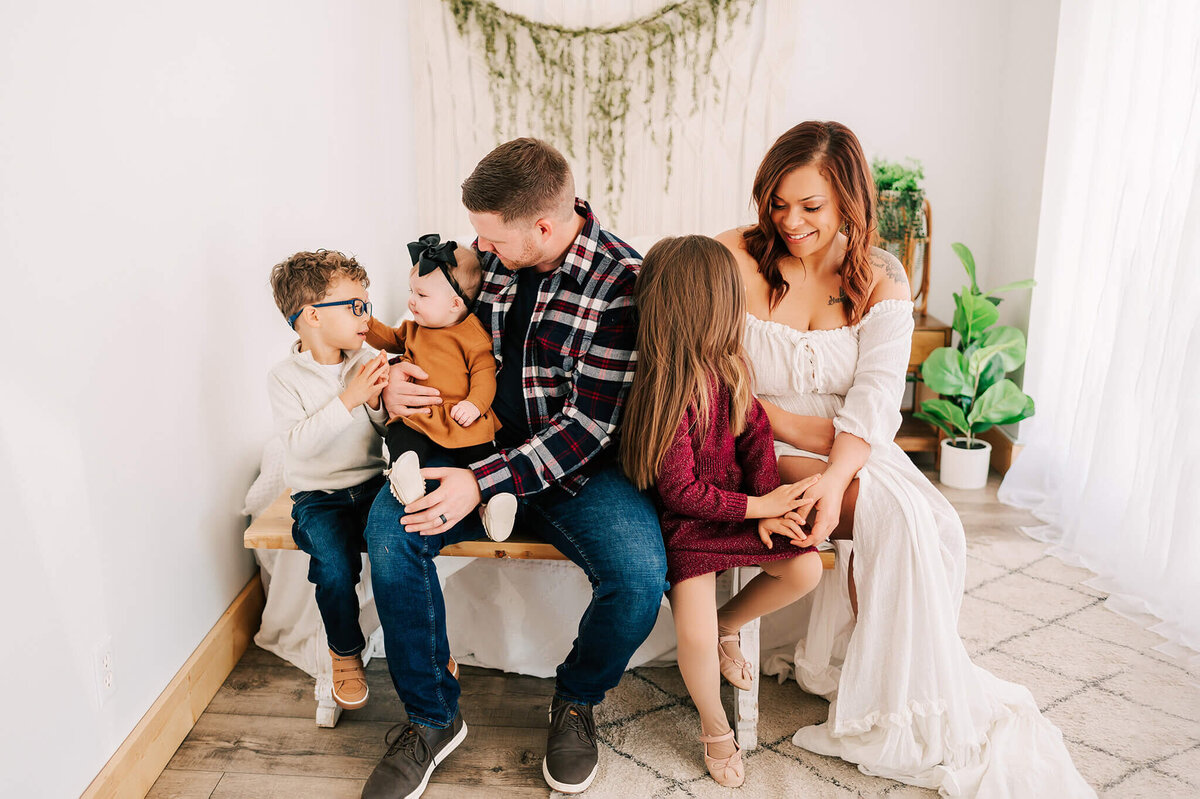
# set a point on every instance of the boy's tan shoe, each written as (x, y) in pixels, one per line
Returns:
(453, 667)
(349, 681)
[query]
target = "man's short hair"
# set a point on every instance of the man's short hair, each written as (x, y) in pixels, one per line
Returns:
(305, 278)
(523, 179)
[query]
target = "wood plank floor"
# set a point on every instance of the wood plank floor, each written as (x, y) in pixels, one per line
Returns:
(257, 737)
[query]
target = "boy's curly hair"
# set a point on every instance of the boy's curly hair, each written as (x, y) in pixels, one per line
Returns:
(305, 278)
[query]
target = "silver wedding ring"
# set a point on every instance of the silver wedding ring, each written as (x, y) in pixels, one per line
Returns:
(443, 518)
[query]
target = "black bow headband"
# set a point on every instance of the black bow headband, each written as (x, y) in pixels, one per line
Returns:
(429, 253)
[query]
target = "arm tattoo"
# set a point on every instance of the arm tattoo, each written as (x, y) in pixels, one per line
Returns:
(892, 268)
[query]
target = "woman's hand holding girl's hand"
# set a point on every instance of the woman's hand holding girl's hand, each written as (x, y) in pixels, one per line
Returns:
(826, 497)
(790, 525)
(787, 497)
(367, 383)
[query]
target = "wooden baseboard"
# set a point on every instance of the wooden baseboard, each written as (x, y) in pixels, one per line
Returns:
(1004, 449)
(143, 755)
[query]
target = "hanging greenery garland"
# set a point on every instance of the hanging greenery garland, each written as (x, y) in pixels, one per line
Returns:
(537, 71)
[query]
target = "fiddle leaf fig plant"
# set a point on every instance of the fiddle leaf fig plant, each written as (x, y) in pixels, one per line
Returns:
(971, 376)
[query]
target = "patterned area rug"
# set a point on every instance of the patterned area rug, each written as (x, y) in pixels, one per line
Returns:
(1130, 715)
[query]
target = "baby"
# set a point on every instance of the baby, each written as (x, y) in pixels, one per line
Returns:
(446, 340)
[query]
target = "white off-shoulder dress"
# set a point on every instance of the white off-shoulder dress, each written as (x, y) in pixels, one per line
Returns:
(906, 702)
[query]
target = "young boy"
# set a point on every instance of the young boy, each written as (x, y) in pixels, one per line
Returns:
(326, 403)
(446, 340)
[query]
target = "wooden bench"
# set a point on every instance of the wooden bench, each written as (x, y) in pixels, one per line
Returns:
(273, 530)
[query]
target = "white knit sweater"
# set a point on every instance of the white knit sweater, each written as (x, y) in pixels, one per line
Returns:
(326, 447)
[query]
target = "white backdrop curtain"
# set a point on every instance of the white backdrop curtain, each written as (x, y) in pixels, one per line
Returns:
(1112, 462)
(714, 153)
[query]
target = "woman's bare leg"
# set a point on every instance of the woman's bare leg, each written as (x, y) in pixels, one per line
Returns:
(793, 469)
(694, 606)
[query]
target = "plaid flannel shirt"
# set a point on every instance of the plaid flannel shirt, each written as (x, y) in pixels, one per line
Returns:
(579, 360)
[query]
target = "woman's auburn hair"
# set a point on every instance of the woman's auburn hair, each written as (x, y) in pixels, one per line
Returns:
(691, 306)
(833, 149)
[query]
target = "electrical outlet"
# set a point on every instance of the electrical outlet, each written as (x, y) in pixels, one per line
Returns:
(106, 683)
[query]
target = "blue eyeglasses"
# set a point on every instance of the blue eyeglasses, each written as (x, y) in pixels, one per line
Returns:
(359, 307)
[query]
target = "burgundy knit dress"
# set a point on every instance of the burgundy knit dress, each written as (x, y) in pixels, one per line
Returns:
(701, 491)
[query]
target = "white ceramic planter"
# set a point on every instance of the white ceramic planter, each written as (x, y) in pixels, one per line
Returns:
(965, 468)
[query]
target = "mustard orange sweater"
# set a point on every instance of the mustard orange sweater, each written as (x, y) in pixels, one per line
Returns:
(460, 365)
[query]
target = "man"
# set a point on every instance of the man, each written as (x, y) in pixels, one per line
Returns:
(557, 298)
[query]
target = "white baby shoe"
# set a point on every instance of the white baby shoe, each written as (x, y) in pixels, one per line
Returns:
(499, 514)
(404, 478)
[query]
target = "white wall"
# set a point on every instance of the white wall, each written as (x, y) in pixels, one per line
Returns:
(962, 87)
(1026, 79)
(155, 161)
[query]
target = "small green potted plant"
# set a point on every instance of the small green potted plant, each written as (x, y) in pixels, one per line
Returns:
(901, 201)
(971, 379)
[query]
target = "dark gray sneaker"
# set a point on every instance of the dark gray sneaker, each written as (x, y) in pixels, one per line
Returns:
(570, 764)
(411, 757)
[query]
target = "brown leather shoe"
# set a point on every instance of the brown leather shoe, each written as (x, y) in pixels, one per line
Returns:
(452, 667)
(349, 681)
(413, 752)
(571, 758)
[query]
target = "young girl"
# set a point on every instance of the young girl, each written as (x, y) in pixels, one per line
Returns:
(446, 340)
(694, 433)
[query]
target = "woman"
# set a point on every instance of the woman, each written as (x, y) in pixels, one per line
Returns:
(829, 332)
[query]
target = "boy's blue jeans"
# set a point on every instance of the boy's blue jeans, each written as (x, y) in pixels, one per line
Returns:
(329, 527)
(610, 530)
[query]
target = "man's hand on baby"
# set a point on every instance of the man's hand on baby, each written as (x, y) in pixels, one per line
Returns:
(464, 413)
(367, 383)
(445, 506)
(403, 397)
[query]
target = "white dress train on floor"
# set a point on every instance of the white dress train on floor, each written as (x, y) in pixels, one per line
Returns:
(906, 702)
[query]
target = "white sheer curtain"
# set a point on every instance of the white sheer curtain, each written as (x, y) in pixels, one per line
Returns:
(1112, 462)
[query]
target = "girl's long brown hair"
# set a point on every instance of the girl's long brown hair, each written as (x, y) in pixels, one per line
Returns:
(835, 151)
(692, 313)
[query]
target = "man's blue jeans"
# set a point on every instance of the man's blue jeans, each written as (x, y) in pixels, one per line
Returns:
(329, 527)
(610, 530)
